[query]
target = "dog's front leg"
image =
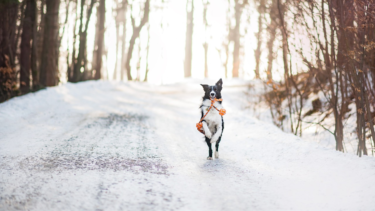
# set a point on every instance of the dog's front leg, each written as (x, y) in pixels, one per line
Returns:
(218, 133)
(207, 131)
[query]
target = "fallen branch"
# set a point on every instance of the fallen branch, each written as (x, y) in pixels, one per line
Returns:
(318, 123)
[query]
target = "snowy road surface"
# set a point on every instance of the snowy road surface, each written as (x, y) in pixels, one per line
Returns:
(130, 146)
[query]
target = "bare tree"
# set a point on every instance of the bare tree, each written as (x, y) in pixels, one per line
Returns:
(238, 9)
(205, 44)
(120, 18)
(135, 35)
(37, 45)
(49, 68)
(26, 48)
(123, 40)
(80, 61)
(189, 37)
(139, 57)
(147, 53)
(100, 42)
(273, 13)
(225, 44)
(258, 51)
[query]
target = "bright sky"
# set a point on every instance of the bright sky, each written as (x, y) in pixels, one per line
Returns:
(167, 43)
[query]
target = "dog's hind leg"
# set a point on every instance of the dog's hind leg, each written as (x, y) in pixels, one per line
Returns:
(208, 141)
(217, 135)
(217, 148)
(219, 139)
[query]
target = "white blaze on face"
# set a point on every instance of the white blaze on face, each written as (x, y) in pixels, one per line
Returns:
(212, 93)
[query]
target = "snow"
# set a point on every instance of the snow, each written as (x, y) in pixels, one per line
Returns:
(102, 145)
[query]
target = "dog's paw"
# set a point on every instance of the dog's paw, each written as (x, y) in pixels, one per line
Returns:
(209, 158)
(208, 134)
(216, 154)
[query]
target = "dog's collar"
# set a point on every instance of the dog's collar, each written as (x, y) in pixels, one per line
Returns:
(215, 100)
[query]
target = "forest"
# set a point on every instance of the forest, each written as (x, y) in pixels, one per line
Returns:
(314, 58)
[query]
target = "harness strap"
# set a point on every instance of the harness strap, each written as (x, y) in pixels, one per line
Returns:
(221, 112)
(212, 105)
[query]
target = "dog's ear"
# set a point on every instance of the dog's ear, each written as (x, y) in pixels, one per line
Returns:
(219, 83)
(205, 87)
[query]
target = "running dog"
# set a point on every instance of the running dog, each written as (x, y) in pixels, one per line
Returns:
(213, 122)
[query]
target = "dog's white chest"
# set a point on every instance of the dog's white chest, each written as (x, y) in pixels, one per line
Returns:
(213, 117)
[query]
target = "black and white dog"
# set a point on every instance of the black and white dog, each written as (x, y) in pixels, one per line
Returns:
(213, 123)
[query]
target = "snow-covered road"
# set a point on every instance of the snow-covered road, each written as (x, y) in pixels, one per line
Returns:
(133, 146)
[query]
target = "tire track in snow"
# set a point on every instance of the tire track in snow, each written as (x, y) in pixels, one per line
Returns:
(110, 142)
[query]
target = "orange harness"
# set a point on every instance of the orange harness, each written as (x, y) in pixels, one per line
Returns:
(222, 112)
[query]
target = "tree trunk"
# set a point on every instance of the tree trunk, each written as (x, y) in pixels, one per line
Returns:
(73, 58)
(284, 39)
(135, 35)
(80, 63)
(120, 17)
(8, 25)
(285, 48)
(237, 37)
(189, 37)
(123, 51)
(39, 44)
(272, 36)
(34, 53)
(99, 46)
(138, 78)
(117, 43)
(148, 50)
(49, 69)
(258, 51)
(205, 44)
(94, 53)
(334, 85)
(123, 40)
(27, 35)
(368, 55)
(229, 37)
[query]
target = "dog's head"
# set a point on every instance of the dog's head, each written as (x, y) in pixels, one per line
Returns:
(212, 91)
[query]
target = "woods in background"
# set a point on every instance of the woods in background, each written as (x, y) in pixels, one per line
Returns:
(44, 43)
(31, 39)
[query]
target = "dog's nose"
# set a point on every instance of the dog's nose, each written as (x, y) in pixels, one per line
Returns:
(212, 94)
